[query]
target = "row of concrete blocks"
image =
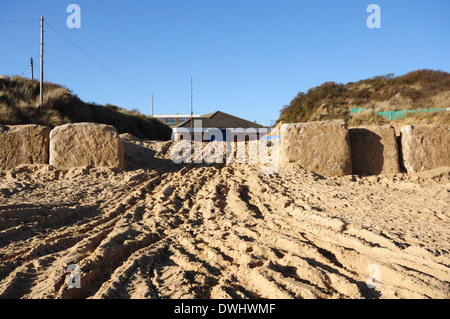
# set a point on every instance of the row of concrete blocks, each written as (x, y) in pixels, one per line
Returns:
(329, 148)
(66, 146)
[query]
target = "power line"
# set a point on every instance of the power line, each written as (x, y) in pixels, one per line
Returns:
(25, 69)
(95, 60)
(20, 20)
(156, 98)
(105, 67)
(92, 58)
(24, 20)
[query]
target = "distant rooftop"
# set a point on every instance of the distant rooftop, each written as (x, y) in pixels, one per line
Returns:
(220, 119)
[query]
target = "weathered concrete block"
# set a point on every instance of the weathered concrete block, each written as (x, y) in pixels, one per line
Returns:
(86, 144)
(321, 147)
(23, 144)
(425, 147)
(374, 150)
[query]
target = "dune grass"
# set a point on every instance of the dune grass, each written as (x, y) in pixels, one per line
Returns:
(19, 98)
(415, 90)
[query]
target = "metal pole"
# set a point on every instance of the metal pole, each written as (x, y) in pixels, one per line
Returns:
(152, 105)
(42, 63)
(32, 75)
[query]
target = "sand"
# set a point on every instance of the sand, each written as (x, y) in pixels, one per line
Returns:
(161, 230)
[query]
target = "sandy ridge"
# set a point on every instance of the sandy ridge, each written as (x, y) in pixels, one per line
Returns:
(221, 231)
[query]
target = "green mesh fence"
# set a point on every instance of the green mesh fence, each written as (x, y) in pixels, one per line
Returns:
(396, 115)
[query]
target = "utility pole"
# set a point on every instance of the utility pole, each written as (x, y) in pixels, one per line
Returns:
(32, 75)
(192, 114)
(152, 105)
(42, 63)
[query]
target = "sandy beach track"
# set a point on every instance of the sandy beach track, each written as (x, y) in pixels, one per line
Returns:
(161, 230)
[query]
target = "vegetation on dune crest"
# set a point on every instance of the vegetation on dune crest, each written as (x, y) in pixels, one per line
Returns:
(419, 89)
(19, 97)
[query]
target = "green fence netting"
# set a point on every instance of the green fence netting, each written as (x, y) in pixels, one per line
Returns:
(396, 115)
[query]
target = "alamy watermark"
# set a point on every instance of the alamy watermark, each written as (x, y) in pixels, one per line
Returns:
(374, 20)
(74, 19)
(374, 279)
(74, 278)
(227, 146)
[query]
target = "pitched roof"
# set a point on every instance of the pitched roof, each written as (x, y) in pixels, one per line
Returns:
(220, 119)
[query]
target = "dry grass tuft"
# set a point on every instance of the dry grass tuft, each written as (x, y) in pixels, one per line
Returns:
(419, 89)
(19, 98)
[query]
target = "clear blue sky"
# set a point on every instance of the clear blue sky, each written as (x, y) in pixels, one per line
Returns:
(246, 57)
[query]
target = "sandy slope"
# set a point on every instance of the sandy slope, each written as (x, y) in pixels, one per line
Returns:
(221, 231)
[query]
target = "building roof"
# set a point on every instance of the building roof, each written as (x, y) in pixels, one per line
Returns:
(220, 119)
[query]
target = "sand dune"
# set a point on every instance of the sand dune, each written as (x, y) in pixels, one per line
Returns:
(162, 230)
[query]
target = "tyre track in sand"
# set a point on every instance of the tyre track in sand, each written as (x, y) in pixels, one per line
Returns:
(218, 231)
(42, 264)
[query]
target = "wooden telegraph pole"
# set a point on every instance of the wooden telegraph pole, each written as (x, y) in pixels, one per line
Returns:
(42, 63)
(32, 74)
(192, 115)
